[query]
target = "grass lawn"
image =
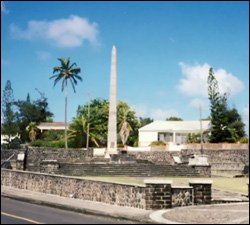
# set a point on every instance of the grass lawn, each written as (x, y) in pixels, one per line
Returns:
(238, 185)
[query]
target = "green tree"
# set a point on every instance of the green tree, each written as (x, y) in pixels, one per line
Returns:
(98, 121)
(226, 123)
(33, 130)
(235, 122)
(144, 121)
(31, 111)
(9, 125)
(78, 132)
(174, 118)
(66, 71)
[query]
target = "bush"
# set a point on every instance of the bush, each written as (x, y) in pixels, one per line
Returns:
(52, 144)
(15, 143)
(243, 140)
(52, 135)
(38, 143)
(158, 143)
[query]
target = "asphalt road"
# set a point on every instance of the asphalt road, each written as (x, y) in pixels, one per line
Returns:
(17, 212)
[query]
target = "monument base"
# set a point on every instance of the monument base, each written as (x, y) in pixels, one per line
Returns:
(110, 152)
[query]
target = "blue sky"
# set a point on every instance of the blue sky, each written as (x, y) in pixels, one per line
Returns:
(164, 51)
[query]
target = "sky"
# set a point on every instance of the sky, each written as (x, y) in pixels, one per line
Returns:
(164, 52)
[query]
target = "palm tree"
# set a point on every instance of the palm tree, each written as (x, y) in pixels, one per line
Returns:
(79, 128)
(32, 129)
(124, 126)
(66, 71)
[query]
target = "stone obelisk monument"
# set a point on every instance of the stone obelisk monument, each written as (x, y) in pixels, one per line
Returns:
(112, 133)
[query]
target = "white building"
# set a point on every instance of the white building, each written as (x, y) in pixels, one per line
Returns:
(175, 132)
(51, 126)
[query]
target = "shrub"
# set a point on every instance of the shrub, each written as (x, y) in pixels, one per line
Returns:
(243, 140)
(158, 143)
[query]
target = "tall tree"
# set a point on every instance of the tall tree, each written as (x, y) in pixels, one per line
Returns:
(36, 111)
(66, 71)
(9, 126)
(226, 123)
(218, 110)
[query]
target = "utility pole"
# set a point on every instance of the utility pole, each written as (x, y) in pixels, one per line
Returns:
(201, 137)
(87, 142)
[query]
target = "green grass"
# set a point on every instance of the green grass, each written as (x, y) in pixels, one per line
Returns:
(237, 185)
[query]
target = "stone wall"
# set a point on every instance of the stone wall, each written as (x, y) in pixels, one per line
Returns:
(182, 196)
(157, 157)
(155, 194)
(133, 170)
(118, 194)
(36, 155)
(6, 153)
(230, 161)
(215, 146)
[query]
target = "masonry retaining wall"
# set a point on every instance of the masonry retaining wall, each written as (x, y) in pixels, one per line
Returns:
(155, 194)
(36, 155)
(222, 160)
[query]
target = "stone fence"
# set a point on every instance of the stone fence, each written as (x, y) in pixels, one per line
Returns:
(222, 160)
(36, 155)
(216, 146)
(154, 194)
(157, 157)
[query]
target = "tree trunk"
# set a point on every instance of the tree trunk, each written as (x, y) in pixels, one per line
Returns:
(65, 121)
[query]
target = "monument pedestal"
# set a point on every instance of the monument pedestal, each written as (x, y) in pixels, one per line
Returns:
(110, 152)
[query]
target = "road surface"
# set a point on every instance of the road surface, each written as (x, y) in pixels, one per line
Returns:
(17, 212)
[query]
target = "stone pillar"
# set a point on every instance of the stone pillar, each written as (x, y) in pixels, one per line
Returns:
(112, 133)
(202, 191)
(158, 194)
(21, 159)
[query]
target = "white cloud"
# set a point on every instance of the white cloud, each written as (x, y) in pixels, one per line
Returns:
(162, 114)
(3, 7)
(154, 113)
(43, 55)
(70, 32)
(194, 82)
(141, 111)
(199, 102)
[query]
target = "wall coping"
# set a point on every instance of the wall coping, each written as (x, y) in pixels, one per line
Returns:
(184, 187)
(157, 181)
(72, 177)
(200, 181)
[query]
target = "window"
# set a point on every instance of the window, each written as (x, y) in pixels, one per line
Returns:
(166, 137)
(180, 138)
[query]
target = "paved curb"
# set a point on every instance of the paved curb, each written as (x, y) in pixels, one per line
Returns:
(76, 209)
(157, 216)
